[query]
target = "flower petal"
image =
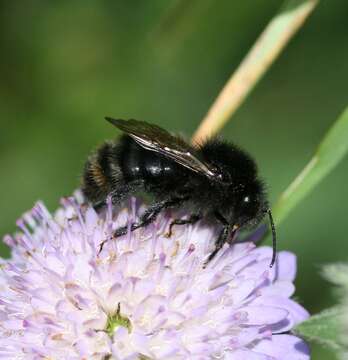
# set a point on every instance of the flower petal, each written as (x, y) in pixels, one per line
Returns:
(263, 315)
(284, 347)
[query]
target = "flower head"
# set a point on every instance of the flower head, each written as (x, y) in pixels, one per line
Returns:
(145, 296)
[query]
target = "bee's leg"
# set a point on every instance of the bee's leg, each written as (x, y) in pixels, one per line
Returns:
(148, 217)
(100, 205)
(219, 243)
(151, 213)
(223, 236)
(191, 220)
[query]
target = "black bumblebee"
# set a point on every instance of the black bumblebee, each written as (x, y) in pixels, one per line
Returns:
(215, 179)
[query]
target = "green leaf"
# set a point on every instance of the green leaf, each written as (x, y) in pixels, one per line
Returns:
(324, 328)
(329, 153)
(337, 273)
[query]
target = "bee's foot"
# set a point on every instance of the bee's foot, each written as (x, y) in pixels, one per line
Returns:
(168, 234)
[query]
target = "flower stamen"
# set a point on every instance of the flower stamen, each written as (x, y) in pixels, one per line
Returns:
(115, 320)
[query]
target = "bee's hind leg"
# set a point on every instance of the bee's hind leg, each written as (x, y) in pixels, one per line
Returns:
(191, 220)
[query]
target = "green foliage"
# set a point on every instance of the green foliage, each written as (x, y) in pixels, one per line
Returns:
(329, 326)
(330, 152)
(323, 328)
(337, 273)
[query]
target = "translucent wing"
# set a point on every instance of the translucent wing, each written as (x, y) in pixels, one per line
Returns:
(154, 138)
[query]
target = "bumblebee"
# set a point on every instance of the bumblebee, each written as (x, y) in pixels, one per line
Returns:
(213, 180)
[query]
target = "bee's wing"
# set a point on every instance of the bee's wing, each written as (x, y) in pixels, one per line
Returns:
(154, 138)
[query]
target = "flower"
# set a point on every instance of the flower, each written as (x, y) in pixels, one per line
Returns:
(144, 296)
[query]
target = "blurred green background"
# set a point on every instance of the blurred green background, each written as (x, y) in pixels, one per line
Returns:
(65, 65)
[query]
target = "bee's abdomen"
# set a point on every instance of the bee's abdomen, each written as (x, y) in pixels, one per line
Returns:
(101, 173)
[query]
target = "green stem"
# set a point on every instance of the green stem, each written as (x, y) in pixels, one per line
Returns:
(259, 59)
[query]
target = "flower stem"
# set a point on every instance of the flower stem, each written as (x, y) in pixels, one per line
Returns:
(266, 49)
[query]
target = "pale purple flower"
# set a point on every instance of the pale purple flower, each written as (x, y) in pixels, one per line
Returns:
(145, 296)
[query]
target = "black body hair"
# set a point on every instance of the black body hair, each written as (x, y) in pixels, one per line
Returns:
(235, 197)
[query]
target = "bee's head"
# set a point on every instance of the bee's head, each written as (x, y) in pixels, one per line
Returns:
(242, 201)
(250, 204)
(244, 197)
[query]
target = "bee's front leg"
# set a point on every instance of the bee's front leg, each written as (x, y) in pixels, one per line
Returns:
(219, 243)
(227, 231)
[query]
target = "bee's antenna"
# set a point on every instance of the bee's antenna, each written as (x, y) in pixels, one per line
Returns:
(274, 238)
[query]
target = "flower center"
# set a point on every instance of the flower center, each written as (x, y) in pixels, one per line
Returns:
(115, 320)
